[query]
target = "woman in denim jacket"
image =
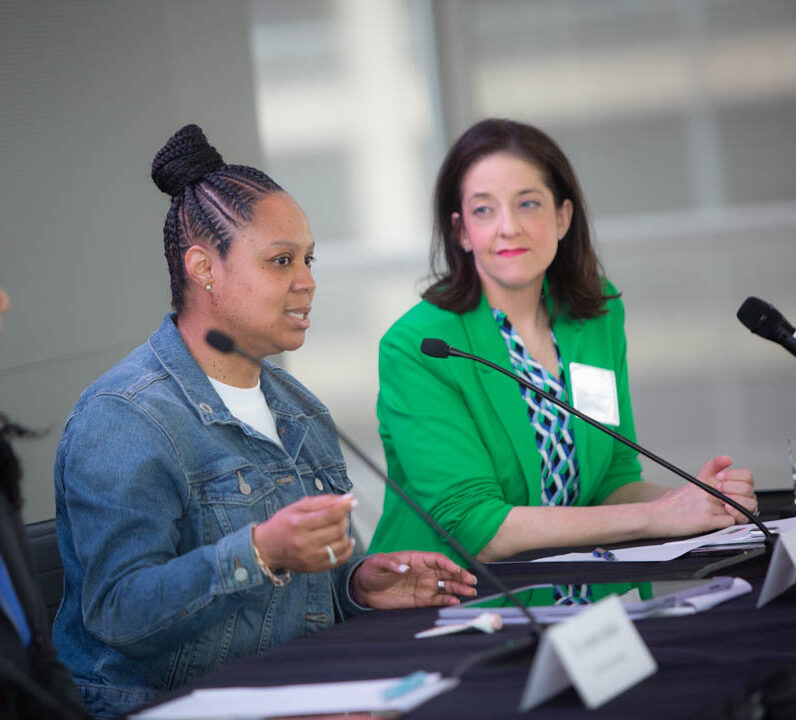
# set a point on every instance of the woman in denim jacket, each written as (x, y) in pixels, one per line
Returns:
(202, 502)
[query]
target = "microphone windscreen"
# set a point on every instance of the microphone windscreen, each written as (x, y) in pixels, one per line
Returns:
(220, 341)
(434, 347)
(760, 317)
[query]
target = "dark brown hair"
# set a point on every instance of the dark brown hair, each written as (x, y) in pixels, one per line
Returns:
(573, 276)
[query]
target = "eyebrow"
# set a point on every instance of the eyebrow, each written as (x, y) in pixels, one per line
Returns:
(525, 191)
(291, 245)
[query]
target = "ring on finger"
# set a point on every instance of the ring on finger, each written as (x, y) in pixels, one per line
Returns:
(332, 556)
(441, 586)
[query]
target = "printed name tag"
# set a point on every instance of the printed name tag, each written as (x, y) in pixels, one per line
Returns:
(599, 651)
(594, 392)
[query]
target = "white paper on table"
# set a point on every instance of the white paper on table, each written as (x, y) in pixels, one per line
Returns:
(639, 553)
(675, 548)
(741, 534)
(287, 700)
(688, 601)
(707, 601)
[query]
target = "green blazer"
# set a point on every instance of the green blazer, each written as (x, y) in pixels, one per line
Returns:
(456, 434)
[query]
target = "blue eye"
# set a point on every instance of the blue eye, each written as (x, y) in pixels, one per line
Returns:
(526, 204)
(482, 210)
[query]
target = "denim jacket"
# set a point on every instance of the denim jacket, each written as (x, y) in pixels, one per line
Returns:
(157, 489)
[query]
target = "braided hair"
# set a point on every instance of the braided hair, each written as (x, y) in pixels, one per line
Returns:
(210, 200)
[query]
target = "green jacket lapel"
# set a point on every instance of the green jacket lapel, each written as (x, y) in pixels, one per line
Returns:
(504, 395)
(567, 329)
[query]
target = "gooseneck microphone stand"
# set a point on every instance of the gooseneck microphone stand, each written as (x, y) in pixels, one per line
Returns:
(434, 347)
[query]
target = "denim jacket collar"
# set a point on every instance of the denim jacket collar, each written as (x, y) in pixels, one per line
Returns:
(169, 347)
(288, 401)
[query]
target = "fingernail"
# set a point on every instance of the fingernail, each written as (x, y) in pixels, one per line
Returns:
(354, 503)
(353, 542)
(720, 476)
(402, 568)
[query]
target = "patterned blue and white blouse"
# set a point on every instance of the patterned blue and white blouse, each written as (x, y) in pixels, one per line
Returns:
(555, 441)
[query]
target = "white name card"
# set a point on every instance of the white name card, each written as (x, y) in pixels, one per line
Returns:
(599, 651)
(781, 572)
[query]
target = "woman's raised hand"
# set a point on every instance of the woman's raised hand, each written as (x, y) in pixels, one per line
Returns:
(309, 535)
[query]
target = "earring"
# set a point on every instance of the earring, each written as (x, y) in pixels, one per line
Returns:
(560, 238)
(209, 287)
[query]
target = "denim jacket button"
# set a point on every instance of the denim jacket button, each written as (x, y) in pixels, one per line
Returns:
(243, 486)
(205, 408)
(241, 574)
(318, 483)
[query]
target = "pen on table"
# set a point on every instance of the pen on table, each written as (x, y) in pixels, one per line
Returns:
(603, 554)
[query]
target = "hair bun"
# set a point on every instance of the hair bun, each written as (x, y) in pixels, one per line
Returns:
(185, 158)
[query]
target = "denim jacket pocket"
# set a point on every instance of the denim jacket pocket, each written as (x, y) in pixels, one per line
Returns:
(231, 494)
(330, 479)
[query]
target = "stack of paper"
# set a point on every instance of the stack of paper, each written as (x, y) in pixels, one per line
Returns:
(735, 534)
(702, 596)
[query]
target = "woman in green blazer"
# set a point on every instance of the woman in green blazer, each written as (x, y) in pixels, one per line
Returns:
(501, 470)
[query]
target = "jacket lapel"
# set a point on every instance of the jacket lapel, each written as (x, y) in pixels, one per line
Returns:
(567, 329)
(504, 395)
(486, 340)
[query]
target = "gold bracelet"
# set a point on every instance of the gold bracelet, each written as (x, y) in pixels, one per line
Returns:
(277, 580)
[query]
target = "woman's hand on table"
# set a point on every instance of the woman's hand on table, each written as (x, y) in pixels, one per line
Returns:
(410, 579)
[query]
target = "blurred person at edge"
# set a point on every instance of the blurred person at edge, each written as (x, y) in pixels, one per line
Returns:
(33, 684)
(519, 283)
(203, 502)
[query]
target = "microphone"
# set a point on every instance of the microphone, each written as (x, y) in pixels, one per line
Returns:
(766, 321)
(224, 344)
(434, 347)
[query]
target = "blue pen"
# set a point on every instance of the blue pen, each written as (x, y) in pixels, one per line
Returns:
(405, 685)
(603, 554)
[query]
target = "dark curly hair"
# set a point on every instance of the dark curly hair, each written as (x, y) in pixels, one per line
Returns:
(10, 470)
(210, 200)
(573, 276)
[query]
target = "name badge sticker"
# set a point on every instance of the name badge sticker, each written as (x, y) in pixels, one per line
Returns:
(594, 392)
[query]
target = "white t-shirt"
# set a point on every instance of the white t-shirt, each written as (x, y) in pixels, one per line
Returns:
(249, 406)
